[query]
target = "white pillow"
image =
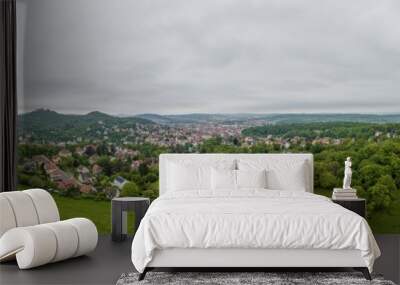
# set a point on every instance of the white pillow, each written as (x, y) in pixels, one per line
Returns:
(282, 174)
(251, 178)
(188, 177)
(223, 179)
(194, 174)
(293, 179)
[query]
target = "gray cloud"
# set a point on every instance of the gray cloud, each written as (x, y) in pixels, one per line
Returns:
(180, 56)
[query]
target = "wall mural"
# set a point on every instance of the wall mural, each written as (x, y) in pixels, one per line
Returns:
(106, 86)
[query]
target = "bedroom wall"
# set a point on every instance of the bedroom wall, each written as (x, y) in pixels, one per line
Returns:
(105, 87)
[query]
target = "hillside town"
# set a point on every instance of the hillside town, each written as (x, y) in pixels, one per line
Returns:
(101, 157)
(187, 136)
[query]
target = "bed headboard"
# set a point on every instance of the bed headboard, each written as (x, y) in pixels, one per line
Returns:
(306, 157)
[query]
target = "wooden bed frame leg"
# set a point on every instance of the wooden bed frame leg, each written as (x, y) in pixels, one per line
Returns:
(364, 271)
(143, 274)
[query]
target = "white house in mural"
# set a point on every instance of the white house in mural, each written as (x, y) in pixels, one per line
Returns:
(120, 182)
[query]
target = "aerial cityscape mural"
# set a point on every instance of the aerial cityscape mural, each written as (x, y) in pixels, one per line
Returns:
(101, 100)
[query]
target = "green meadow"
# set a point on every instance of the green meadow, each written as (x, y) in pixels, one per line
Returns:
(97, 211)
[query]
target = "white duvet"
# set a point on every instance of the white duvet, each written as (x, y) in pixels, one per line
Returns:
(250, 219)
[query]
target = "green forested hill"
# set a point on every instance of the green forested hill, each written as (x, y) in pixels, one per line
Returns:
(331, 129)
(50, 125)
(48, 119)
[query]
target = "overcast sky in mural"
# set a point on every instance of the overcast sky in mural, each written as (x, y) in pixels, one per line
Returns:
(130, 57)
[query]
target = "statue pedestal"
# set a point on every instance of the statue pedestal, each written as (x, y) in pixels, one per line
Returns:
(344, 194)
(358, 206)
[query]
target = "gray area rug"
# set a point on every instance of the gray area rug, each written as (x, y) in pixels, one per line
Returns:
(225, 278)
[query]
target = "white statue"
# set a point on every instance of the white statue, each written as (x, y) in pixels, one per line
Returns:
(347, 174)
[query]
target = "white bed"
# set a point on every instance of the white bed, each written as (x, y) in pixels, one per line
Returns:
(249, 227)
